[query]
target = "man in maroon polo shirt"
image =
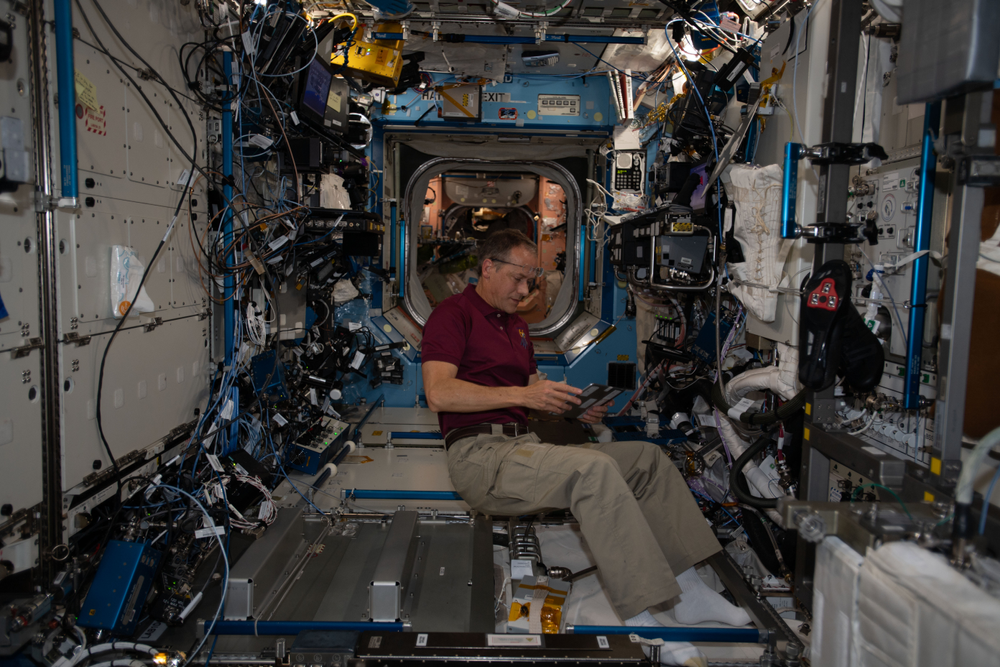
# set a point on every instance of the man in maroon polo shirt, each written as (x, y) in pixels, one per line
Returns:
(634, 508)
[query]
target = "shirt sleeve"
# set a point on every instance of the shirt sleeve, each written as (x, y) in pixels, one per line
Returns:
(532, 364)
(445, 335)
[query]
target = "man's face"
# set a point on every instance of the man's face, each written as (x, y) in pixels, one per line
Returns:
(505, 282)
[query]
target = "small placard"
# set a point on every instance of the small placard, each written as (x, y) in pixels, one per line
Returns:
(153, 632)
(520, 568)
(741, 407)
(260, 141)
(602, 642)
(706, 420)
(202, 533)
(422, 640)
(514, 640)
(213, 461)
(248, 44)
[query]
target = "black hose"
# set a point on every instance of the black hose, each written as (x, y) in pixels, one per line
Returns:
(737, 483)
(581, 573)
(783, 413)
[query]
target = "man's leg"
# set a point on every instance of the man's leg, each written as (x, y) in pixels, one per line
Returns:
(511, 476)
(680, 529)
(665, 500)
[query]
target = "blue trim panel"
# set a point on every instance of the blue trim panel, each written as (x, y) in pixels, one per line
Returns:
(678, 634)
(789, 191)
(67, 97)
(921, 242)
(377, 494)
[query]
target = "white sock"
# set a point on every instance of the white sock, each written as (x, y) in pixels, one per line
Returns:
(699, 603)
(678, 653)
(643, 620)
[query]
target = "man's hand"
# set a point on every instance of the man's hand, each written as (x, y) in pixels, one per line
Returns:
(594, 414)
(549, 396)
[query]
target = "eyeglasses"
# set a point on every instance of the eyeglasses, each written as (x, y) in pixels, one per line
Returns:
(533, 271)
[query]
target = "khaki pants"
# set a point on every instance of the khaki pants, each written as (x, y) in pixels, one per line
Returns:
(635, 511)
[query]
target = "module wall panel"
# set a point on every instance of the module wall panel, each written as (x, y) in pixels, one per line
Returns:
(153, 382)
(129, 191)
(20, 391)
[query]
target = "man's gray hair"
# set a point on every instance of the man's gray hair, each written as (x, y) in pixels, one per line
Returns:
(500, 244)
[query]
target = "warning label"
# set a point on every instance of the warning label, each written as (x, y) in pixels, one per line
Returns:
(94, 121)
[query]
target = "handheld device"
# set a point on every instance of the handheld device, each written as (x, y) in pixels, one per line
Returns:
(592, 394)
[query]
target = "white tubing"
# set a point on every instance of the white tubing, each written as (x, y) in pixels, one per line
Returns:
(191, 605)
(781, 379)
(737, 445)
(963, 491)
(104, 648)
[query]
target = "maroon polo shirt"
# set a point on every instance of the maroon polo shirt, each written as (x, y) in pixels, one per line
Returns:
(490, 348)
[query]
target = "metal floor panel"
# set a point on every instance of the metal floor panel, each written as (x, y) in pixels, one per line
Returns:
(394, 469)
(334, 584)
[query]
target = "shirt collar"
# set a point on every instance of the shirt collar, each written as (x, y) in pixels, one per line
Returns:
(473, 296)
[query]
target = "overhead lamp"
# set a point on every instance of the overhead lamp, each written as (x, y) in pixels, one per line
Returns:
(688, 51)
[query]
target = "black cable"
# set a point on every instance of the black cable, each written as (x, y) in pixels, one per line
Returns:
(791, 35)
(582, 573)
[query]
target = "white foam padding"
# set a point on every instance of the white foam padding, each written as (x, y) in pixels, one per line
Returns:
(757, 226)
(914, 609)
(835, 596)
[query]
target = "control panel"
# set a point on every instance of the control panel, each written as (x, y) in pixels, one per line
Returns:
(318, 445)
(888, 197)
(630, 169)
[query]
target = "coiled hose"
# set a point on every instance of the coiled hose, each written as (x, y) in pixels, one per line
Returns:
(786, 411)
(738, 484)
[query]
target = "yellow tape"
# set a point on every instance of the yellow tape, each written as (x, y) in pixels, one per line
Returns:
(775, 75)
(455, 102)
(936, 466)
(928, 496)
(805, 433)
(809, 408)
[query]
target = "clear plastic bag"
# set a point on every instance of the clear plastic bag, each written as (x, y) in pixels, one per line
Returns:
(126, 272)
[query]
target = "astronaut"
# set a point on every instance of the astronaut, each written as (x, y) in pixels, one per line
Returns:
(634, 509)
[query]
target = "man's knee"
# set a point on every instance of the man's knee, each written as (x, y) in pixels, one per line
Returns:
(597, 464)
(641, 455)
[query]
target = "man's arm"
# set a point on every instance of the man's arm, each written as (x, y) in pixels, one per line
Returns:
(446, 393)
(594, 415)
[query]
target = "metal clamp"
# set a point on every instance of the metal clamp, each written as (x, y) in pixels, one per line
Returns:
(825, 154)
(149, 326)
(25, 350)
(76, 339)
(979, 171)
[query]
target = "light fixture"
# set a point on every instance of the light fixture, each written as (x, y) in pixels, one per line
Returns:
(688, 52)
